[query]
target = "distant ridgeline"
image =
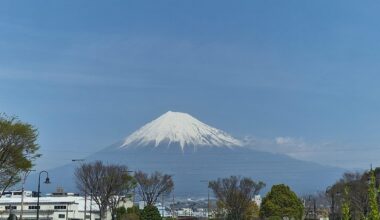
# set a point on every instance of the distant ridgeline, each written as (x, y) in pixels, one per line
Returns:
(194, 152)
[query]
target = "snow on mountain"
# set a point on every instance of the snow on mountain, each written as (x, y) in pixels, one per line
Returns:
(199, 152)
(182, 129)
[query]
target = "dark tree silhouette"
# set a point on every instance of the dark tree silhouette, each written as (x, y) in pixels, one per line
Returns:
(235, 195)
(151, 187)
(106, 184)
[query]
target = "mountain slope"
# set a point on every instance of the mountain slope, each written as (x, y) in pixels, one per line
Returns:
(193, 152)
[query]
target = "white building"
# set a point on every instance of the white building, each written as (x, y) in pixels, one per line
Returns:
(65, 206)
(257, 199)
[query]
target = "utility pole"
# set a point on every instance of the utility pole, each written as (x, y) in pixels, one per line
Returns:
(208, 203)
(26, 173)
(173, 207)
(333, 206)
(208, 198)
(91, 205)
(162, 205)
(85, 192)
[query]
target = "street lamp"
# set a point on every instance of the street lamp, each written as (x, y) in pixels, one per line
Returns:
(134, 188)
(208, 197)
(22, 190)
(333, 193)
(47, 181)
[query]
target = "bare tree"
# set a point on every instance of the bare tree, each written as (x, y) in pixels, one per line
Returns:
(235, 195)
(151, 187)
(107, 184)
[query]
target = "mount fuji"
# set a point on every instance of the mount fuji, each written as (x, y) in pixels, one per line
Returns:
(194, 153)
(179, 129)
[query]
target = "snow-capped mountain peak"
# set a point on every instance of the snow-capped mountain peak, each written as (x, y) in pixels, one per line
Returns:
(180, 128)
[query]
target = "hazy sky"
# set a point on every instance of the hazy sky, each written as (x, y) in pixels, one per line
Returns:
(297, 77)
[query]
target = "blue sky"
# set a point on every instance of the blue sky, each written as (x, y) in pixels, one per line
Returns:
(88, 73)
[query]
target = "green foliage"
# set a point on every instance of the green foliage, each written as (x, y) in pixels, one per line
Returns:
(150, 212)
(120, 212)
(132, 213)
(281, 202)
(357, 183)
(134, 210)
(372, 196)
(12, 217)
(274, 218)
(18, 149)
(252, 212)
(346, 206)
(132, 216)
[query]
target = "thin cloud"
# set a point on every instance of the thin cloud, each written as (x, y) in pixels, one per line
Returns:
(77, 79)
(327, 153)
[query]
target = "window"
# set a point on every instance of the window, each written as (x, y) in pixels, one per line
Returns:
(32, 207)
(8, 207)
(61, 216)
(60, 207)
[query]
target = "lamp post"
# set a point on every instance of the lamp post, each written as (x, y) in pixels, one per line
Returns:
(133, 193)
(91, 205)
(208, 197)
(22, 191)
(333, 193)
(47, 181)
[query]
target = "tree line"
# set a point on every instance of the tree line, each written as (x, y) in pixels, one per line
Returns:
(109, 184)
(355, 196)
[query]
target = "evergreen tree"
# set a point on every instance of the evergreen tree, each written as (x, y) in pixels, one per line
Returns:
(281, 202)
(346, 215)
(372, 196)
(150, 212)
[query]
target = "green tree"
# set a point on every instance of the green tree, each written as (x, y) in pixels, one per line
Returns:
(134, 210)
(18, 149)
(281, 202)
(131, 213)
(372, 195)
(131, 216)
(346, 215)
(357, 184)
(121, 213)
(253, 211)
(150, 212)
